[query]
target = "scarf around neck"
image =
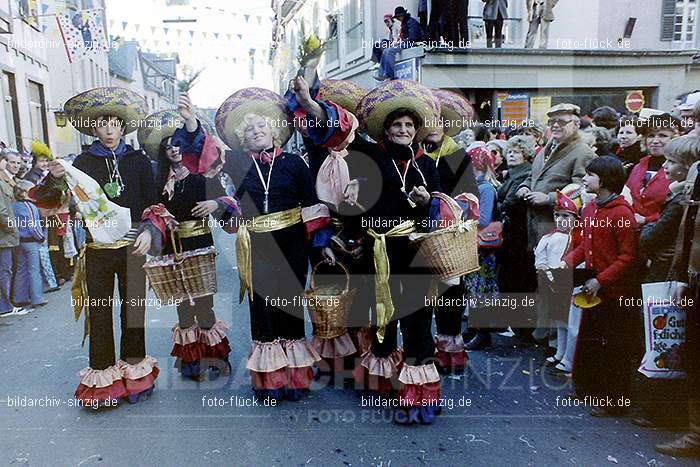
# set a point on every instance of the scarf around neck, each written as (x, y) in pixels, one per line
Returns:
(266, 156)
(174, 176)
(99, 149)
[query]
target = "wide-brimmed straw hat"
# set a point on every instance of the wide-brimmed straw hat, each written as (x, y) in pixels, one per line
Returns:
(392, 95)
(456, 112)
(160, 125)
(344, 93)
(256, 101)
(84, 109)
(156, 127)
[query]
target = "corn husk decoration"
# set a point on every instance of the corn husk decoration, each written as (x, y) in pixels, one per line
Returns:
(189, 80)
(309, 55)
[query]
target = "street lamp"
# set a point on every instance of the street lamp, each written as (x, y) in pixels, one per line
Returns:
(61, 120)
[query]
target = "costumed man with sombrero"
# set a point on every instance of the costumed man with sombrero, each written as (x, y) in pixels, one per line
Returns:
(189, 191)
(458, 181)
(399, 179)
(279, 217)
(123, 183)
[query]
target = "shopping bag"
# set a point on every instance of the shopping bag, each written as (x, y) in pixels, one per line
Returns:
(106, 220)
(664, 329)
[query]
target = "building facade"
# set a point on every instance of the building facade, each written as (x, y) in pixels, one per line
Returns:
(37, 77)
(602, 53)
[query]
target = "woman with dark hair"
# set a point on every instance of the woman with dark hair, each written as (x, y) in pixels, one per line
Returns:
(396, 194)
(188, 196)
(608, 332)
(629, 140)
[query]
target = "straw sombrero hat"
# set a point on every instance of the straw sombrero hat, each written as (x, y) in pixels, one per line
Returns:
(584, 301)
(255, 101)
(84, 109)
(160, 125)
(376, 105)
(455, 110)
(344, 93)
(156, 128)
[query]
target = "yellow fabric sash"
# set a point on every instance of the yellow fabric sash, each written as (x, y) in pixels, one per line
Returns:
(260, 224)
(385, 305)
(78, 289)
(194, 228)
(448, 146)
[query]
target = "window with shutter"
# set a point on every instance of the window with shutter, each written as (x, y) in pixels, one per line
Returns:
(668, 17)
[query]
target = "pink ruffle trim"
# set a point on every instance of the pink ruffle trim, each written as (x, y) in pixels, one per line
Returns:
(139, 370)
(335, 347)
(100, 378)
(185, 336)
(266, 357)
(215, 335)
(300, 353)
(422, 374)
(386, 367)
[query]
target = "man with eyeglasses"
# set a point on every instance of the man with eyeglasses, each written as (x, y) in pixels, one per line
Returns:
(561, 165)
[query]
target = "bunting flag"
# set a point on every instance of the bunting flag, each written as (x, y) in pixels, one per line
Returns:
(153, 29)
(83, 35)
(124, 23)
(247, 18)
(166, 30)
(44, 8)
(137, 26)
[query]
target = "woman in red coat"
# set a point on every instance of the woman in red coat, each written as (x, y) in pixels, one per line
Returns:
(647, 186)
(607, 336)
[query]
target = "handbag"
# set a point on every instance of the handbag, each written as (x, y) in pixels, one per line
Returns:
(491, 236)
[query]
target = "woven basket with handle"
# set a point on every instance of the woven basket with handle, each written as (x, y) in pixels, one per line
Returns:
(451, 251)
(182, 275)
(329, 311)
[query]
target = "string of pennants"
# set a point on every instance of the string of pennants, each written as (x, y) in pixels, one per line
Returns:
(33, 14)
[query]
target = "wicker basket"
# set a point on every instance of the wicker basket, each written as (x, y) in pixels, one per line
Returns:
(453, 251)
(329, 312)
(183, 275)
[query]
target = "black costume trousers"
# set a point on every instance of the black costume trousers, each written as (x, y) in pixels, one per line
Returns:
(409, 282)
(101, 267)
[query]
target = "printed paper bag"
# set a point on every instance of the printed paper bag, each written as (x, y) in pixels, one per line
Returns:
(106, 221)
(664, 327)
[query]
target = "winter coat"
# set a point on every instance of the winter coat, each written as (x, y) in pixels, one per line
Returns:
(609, 246)
(493, 8)
(565, 166)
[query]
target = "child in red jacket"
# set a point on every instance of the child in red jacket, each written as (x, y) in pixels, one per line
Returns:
(608, 333)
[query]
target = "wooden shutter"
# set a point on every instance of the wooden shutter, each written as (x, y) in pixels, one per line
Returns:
(668, 18)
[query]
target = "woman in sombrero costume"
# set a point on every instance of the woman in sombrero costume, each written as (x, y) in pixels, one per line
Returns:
(126, 177)
(396, 195)
(185, 153)
(279, 217)
(458, 181)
